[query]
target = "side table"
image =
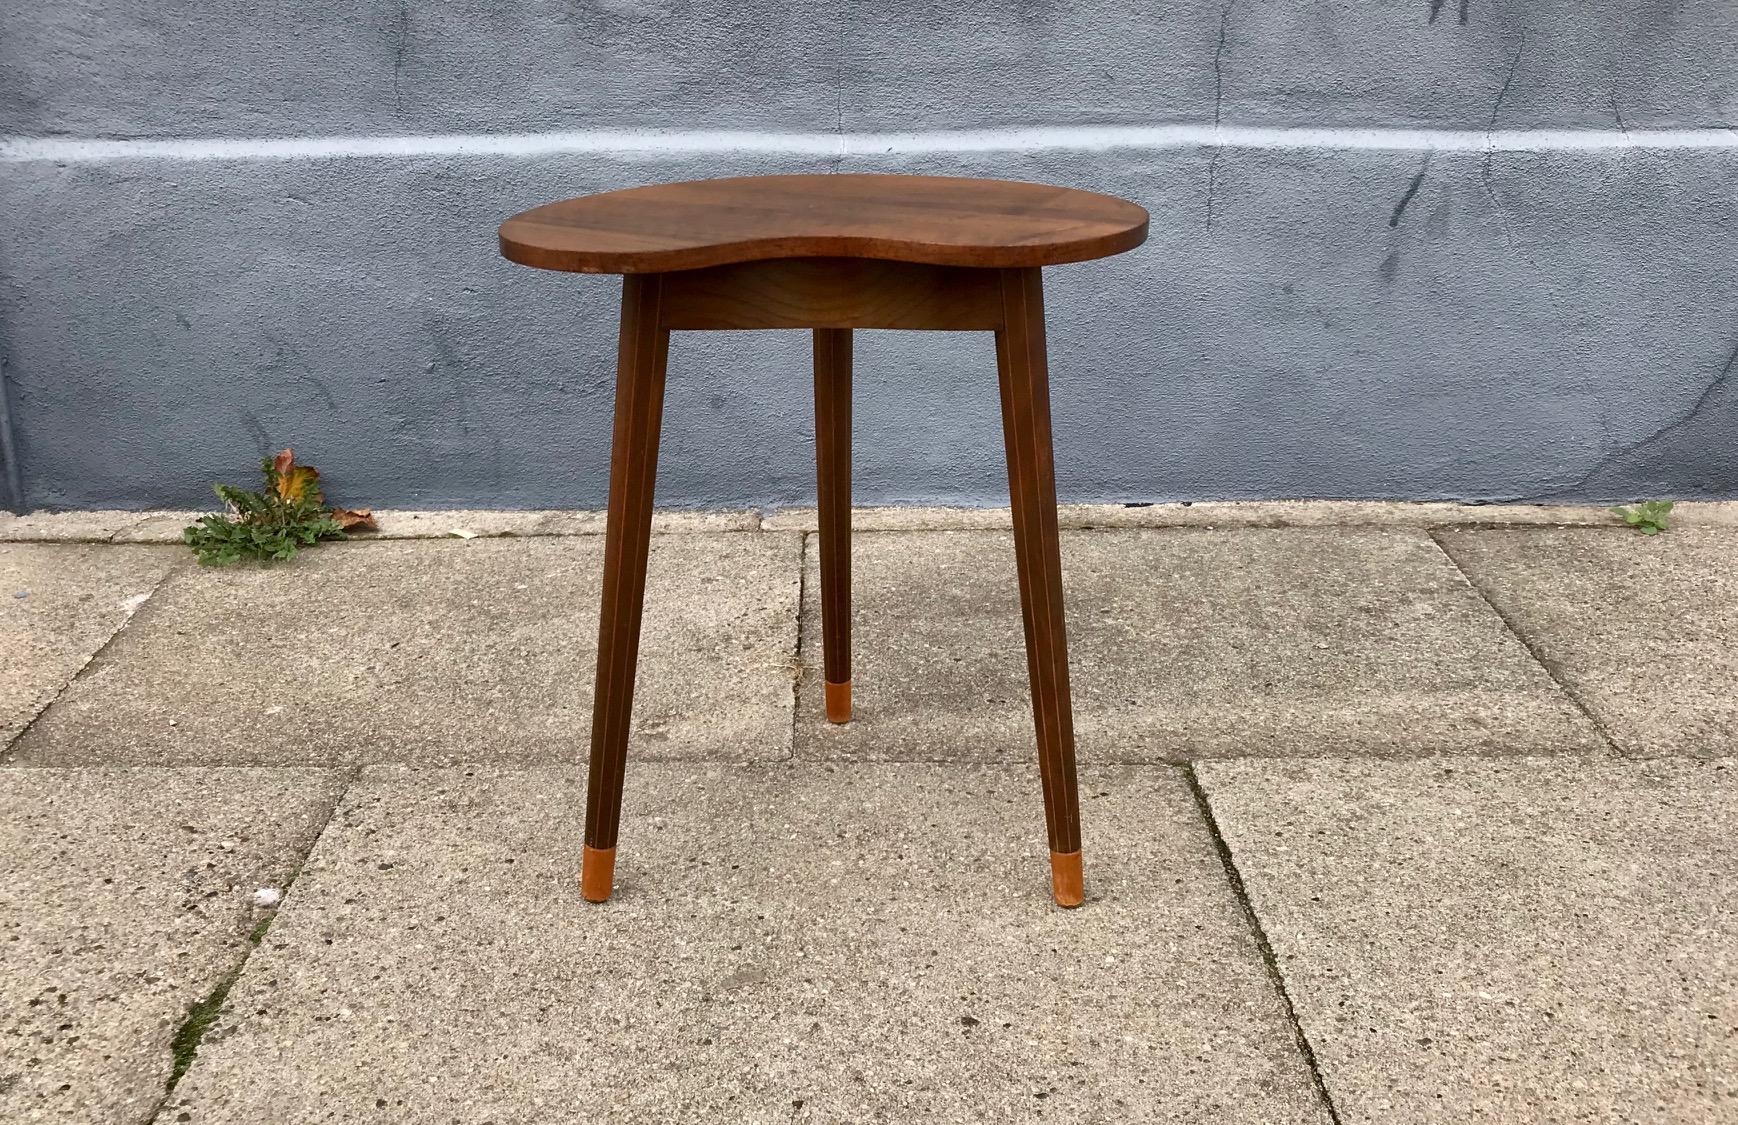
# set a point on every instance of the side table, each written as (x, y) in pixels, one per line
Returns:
(830, 253)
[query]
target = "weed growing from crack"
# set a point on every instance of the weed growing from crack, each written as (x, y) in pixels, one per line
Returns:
(1647, 517)
(185, 1045)
(275, 524)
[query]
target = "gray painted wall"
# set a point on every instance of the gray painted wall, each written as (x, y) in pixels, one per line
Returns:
(1534, 299)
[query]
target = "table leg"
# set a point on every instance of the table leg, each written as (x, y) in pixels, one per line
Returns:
(833, 490)
(644, 349)
(1025, 384)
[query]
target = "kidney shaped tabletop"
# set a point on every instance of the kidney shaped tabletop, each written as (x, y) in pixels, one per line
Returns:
(933, 219)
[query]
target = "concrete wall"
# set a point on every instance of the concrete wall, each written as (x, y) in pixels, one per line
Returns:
(1439, 248)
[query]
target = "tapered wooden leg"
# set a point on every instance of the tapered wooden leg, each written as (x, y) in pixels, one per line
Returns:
(1025, 383)
(833, 488)
(645, 346)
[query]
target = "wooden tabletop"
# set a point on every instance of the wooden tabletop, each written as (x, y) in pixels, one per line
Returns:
(934, 219)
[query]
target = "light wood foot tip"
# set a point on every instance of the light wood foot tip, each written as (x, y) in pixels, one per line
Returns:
(839, 702)
(597, 873)
(1067, 882)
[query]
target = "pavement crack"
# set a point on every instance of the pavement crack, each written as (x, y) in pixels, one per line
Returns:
(184, 1045)
(797, 651)
(1241, 893)
(8, 752)
(1551, 667)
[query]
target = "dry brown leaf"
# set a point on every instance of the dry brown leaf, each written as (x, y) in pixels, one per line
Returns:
(296, 482)
(355, 519)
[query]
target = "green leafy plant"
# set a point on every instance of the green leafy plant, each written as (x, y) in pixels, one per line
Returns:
(1648, 517)
(274, 524)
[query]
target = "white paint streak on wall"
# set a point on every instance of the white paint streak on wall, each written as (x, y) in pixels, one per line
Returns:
(654, 143)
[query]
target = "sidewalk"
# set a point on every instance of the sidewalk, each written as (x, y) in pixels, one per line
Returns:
(1392, 814)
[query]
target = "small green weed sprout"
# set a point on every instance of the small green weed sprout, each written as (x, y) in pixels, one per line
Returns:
(1647, 517)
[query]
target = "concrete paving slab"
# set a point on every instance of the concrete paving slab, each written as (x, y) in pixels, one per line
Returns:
(1705, 513)
(436, 524)
(1185, 643)
(166, 527)
(1330, 513)
(1643, 630)
(896, 519)
(59, 603)
(1501, 940)
(438, 651)
(675, 521)
(471, 523)
(54, 527)
(786, 943)
(158, 527)
(396, 524)
(126, 896)
(1258, 513)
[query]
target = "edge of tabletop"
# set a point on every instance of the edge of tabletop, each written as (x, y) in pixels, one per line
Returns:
(517, 247)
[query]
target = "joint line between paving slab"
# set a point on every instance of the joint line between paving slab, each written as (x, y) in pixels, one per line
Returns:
(797, 649)
(1533, 650)
(7, 752)
(143, 519)
(1241, 894)
(208, 1009)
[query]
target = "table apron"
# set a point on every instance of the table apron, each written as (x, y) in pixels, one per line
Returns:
(833, 293)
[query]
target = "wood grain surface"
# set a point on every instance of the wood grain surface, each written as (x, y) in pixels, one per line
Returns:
(929, 219)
